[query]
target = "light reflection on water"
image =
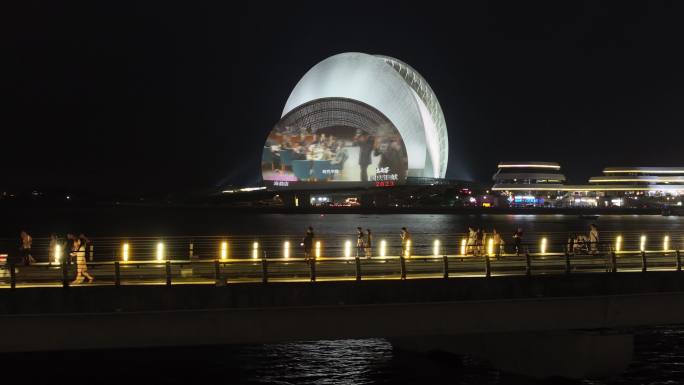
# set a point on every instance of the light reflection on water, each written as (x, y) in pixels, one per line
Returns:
(658, 360)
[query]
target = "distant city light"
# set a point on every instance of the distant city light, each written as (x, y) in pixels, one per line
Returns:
(58, 253)
(642, 245)
(318, 249)
(543, 245)
(463, 246)
(618, 243)
(666, 243)
(407, 252)
(244, 189)
(383, 248)
(490, 246)
(255, 250)
(347, 249)
(124, 252)
(435, 248)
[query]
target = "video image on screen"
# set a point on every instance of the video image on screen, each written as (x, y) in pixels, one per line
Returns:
(334, 154)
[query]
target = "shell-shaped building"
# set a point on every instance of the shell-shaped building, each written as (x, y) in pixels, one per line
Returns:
(373, 94)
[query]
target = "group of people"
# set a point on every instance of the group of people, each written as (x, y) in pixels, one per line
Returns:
(364, 242)
(290, 144)
(75, 247)
(307, 146)
(477, 239)
(476, 243)
(580, 243)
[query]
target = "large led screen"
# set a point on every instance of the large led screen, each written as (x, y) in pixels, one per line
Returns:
(297, 156)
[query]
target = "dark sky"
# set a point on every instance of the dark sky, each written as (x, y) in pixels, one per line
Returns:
(161, 97)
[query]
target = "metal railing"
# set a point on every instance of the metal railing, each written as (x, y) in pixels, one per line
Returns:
(422, 260)
(110, 249)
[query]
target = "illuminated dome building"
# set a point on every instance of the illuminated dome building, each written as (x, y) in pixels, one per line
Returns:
(351, 105)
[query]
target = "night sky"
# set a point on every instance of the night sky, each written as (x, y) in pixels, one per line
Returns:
(156, 97)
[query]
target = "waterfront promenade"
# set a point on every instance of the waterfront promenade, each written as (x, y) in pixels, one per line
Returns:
(226, 260)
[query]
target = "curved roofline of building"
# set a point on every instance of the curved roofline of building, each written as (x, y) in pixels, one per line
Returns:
(529, 164)
(638, 178)
(528, 175)
(573, 188)
(651, 170)
(392, 87)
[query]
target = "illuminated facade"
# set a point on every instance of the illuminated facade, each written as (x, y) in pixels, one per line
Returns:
(541, 184)
(529, 183)
(377, 96)
(652, 181)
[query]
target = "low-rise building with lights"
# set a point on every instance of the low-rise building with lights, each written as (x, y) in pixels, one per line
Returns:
(540, 184)
(529, 184)
(639, 186)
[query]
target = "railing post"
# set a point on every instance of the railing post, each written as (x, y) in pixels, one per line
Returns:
(264, 269)
(613, 262)
(402, 266)
(168, 273)
(358, 268)
(217, 272)
(528, 263)
(568, 268)
(445, 266)
(488, 266)
(13, 276)
(644, 266)
(65, 272)
(117, 274)
(679, 261)
(312, 269)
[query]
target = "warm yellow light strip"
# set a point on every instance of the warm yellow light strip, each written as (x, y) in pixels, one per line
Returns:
(523, 165)
(644, 179)
(643, 171)
(591, 188)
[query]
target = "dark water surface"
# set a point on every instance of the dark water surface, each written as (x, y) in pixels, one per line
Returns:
(658, 359)
(333, 229)
(179, 221)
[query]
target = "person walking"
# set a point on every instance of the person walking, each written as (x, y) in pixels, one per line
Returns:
(87, 244)
(517, 238)
(78, 252)
(405, 242)
(497, 243)
(570, 247)
(368, 244)
(472, 239)
(479, 241)
(68, 247)
(25, 248)
(593, 238)
(307, 242)
(359, 242)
